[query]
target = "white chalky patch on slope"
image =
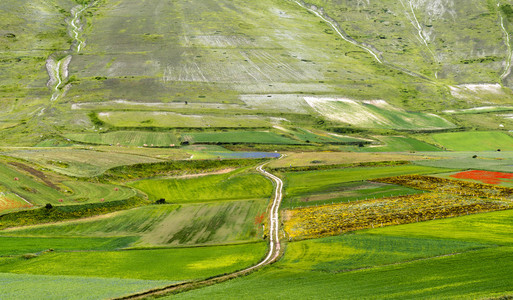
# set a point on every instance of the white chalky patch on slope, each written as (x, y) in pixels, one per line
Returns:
(355, 114)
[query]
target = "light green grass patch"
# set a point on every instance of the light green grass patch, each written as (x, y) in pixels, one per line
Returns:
(127, 138)
(160, 264)
(474, 141)
(231, 186)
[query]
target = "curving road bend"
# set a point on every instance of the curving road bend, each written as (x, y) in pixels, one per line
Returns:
(272, 255)
(274, 220)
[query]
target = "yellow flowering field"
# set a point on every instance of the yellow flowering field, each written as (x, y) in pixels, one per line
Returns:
(450, 198)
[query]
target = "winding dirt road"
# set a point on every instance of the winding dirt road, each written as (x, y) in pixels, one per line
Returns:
(272, 255)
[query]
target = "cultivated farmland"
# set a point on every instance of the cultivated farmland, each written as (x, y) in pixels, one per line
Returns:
(323, 149)
(165, 225)
(458, 248)
(172, 264)
(127, 138)
(474, 141)
(298, 183)
(230, 186)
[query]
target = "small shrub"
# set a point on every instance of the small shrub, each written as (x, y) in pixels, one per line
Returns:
(29, 256)
(161, 201)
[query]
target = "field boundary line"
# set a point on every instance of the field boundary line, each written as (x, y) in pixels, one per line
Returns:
(273, 254)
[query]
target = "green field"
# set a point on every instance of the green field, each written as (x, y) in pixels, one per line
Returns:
(174, 120)
(78, 162)
(27, 187)
(491, 161)
(233, 137)
(347, 192)
(164, 225)
(474, 141)
(231, 186)
(491, 228)
(127, 138)
(156, 264)
(37, 287)
(452, 277)
(398, 144)
(86, 192)
(312, 159)
(360, 250)
(300, 183)
(465, 257)
(310, 136)
(70, 192)
(10, 246)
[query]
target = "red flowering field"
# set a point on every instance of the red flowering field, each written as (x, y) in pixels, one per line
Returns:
(6, 203)
(487, 177)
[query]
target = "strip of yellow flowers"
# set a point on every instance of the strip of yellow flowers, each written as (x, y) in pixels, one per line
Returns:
(450, 198)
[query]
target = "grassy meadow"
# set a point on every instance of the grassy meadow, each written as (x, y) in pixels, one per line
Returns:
(230, 186)
(155, 264)
(474, 141)
(443, 256)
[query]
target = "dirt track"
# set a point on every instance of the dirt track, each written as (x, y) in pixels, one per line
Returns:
(272, 255)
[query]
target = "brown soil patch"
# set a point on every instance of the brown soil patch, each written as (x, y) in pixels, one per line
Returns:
(38, 174)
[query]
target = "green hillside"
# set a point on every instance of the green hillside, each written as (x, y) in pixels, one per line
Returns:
(189, 142)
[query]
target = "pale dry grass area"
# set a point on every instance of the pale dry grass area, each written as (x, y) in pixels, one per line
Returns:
(332, 158)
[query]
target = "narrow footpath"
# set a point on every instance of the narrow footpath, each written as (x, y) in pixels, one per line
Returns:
(272, 255)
